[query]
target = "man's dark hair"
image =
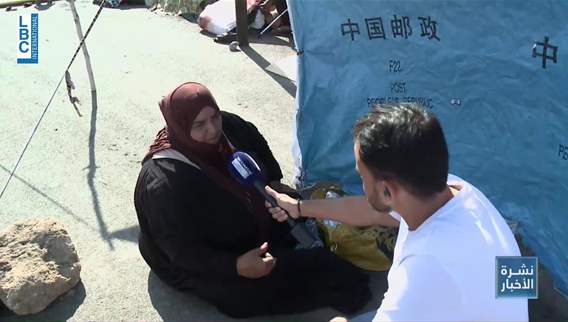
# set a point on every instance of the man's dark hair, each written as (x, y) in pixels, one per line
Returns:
(405, 143)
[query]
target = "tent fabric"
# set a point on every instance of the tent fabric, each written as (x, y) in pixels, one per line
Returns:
(494, 72)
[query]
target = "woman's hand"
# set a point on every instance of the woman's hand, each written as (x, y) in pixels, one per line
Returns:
(256, 263)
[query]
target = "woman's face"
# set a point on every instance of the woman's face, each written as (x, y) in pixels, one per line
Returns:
(207, 126)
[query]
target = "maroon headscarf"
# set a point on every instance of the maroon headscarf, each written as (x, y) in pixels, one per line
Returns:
(180, 108)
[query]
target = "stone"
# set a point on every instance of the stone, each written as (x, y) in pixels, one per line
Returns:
(38, 263)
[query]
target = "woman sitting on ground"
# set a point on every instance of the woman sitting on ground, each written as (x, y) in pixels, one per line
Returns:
(201, 231)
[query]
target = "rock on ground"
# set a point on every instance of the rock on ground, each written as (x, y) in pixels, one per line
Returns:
(38, 263)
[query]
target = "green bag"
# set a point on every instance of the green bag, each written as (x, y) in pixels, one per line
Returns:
(369, 248)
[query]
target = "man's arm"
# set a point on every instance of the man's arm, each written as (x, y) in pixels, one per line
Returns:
(354, 211)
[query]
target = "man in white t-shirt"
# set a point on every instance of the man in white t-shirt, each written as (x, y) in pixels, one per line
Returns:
(449, 232)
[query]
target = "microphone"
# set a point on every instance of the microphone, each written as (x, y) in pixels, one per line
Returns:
(247, 172)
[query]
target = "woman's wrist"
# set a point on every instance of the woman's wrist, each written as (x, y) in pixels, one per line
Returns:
(299, 205)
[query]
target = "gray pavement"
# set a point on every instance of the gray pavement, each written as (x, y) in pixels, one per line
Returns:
(81, 169)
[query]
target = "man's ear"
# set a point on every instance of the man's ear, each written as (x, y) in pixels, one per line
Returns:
(389, 189)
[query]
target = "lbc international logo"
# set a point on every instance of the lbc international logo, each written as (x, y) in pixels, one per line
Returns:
(28, 38)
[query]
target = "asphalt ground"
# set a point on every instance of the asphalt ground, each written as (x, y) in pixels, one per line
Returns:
(82, 163)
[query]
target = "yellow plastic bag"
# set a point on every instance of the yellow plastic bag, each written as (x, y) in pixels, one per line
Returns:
(367, 248)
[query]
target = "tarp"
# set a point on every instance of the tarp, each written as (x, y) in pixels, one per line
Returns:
(494, 72)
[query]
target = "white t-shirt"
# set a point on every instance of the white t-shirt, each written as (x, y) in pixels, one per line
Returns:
(445, 269)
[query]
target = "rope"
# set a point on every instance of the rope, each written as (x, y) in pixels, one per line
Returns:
(50, 100)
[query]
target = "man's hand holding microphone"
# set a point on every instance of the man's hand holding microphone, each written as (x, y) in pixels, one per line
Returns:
(286, 206)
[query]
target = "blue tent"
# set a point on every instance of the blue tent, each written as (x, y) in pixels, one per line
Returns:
(494, 72)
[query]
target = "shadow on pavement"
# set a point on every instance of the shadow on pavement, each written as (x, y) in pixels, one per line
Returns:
(92, 167)
(62, 309)
(129, 234)
(53, 201)
(92, 172)
(173, 305)
(286, 84)
(270, 40)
